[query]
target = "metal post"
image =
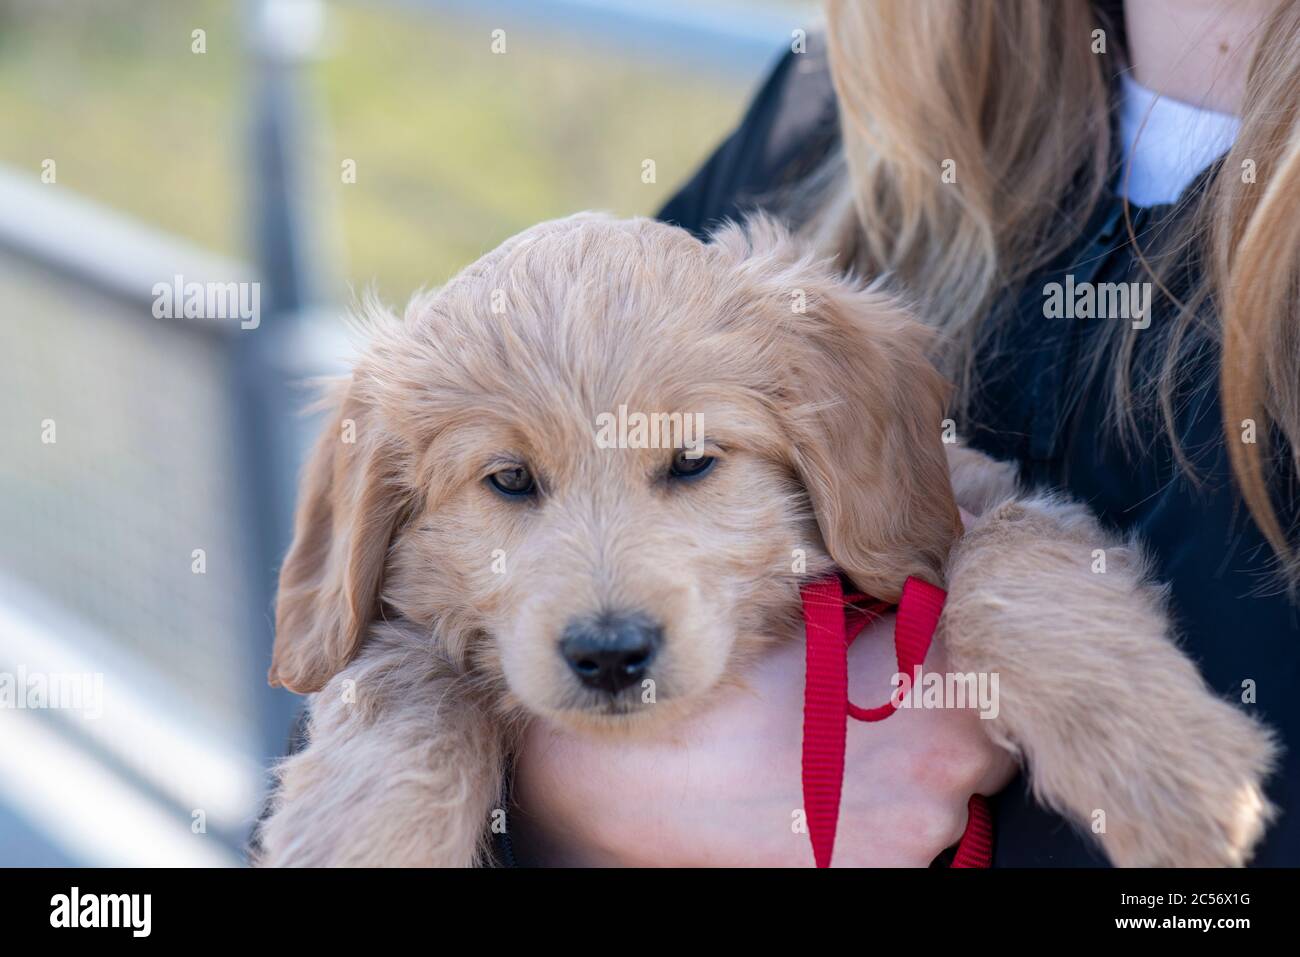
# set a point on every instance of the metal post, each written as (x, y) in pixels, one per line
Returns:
(265, 361)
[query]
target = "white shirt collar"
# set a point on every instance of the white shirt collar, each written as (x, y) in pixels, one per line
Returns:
(1167, 143)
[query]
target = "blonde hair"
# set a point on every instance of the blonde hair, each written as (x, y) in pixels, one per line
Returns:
(1012, 97)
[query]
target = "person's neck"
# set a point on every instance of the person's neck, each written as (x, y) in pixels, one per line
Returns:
(1197, 51)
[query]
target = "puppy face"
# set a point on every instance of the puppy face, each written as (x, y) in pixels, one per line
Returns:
(598, 464)
(608, 579)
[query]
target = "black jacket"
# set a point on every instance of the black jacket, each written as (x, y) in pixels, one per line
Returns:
(1033, 405)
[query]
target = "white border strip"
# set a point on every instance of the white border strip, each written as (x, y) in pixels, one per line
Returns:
(146, 722)
(89, 813)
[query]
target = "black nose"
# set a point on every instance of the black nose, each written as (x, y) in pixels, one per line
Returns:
(611, 651)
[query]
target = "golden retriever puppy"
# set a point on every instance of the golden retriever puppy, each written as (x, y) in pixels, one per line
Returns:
(489, 533)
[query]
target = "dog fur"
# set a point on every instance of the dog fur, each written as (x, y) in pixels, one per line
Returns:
(425, 655)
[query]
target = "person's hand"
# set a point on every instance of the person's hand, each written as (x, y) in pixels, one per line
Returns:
(724, 788)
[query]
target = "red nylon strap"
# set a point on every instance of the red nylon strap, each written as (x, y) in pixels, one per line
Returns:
(826, 691)
(976, 846)
(827, 707)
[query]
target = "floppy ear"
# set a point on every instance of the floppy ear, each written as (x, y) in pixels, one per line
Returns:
(863, 408)
(348, 508)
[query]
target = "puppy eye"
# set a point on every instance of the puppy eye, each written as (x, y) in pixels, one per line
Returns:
(515, 481)
(688, 467)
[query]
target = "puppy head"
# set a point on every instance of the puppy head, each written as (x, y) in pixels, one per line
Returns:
(598, 464)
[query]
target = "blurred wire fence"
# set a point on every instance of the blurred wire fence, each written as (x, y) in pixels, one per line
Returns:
(147, 466)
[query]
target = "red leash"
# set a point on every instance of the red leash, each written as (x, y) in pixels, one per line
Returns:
(831, 622)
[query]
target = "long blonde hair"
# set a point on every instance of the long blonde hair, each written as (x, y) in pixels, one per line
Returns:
(1013, 99)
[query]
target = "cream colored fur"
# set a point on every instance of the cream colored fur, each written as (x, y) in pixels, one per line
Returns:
(425, 663)
(1115, 724)
(403, 769)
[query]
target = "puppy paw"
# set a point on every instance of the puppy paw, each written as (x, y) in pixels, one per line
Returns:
(1116, 726)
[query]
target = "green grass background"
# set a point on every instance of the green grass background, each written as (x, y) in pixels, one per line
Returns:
(456, 148)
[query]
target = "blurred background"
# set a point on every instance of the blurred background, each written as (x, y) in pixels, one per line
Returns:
(148, 465)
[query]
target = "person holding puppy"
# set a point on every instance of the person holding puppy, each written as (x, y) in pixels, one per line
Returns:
(1098, 206)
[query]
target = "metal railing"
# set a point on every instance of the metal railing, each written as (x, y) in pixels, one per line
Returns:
(192, 723)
